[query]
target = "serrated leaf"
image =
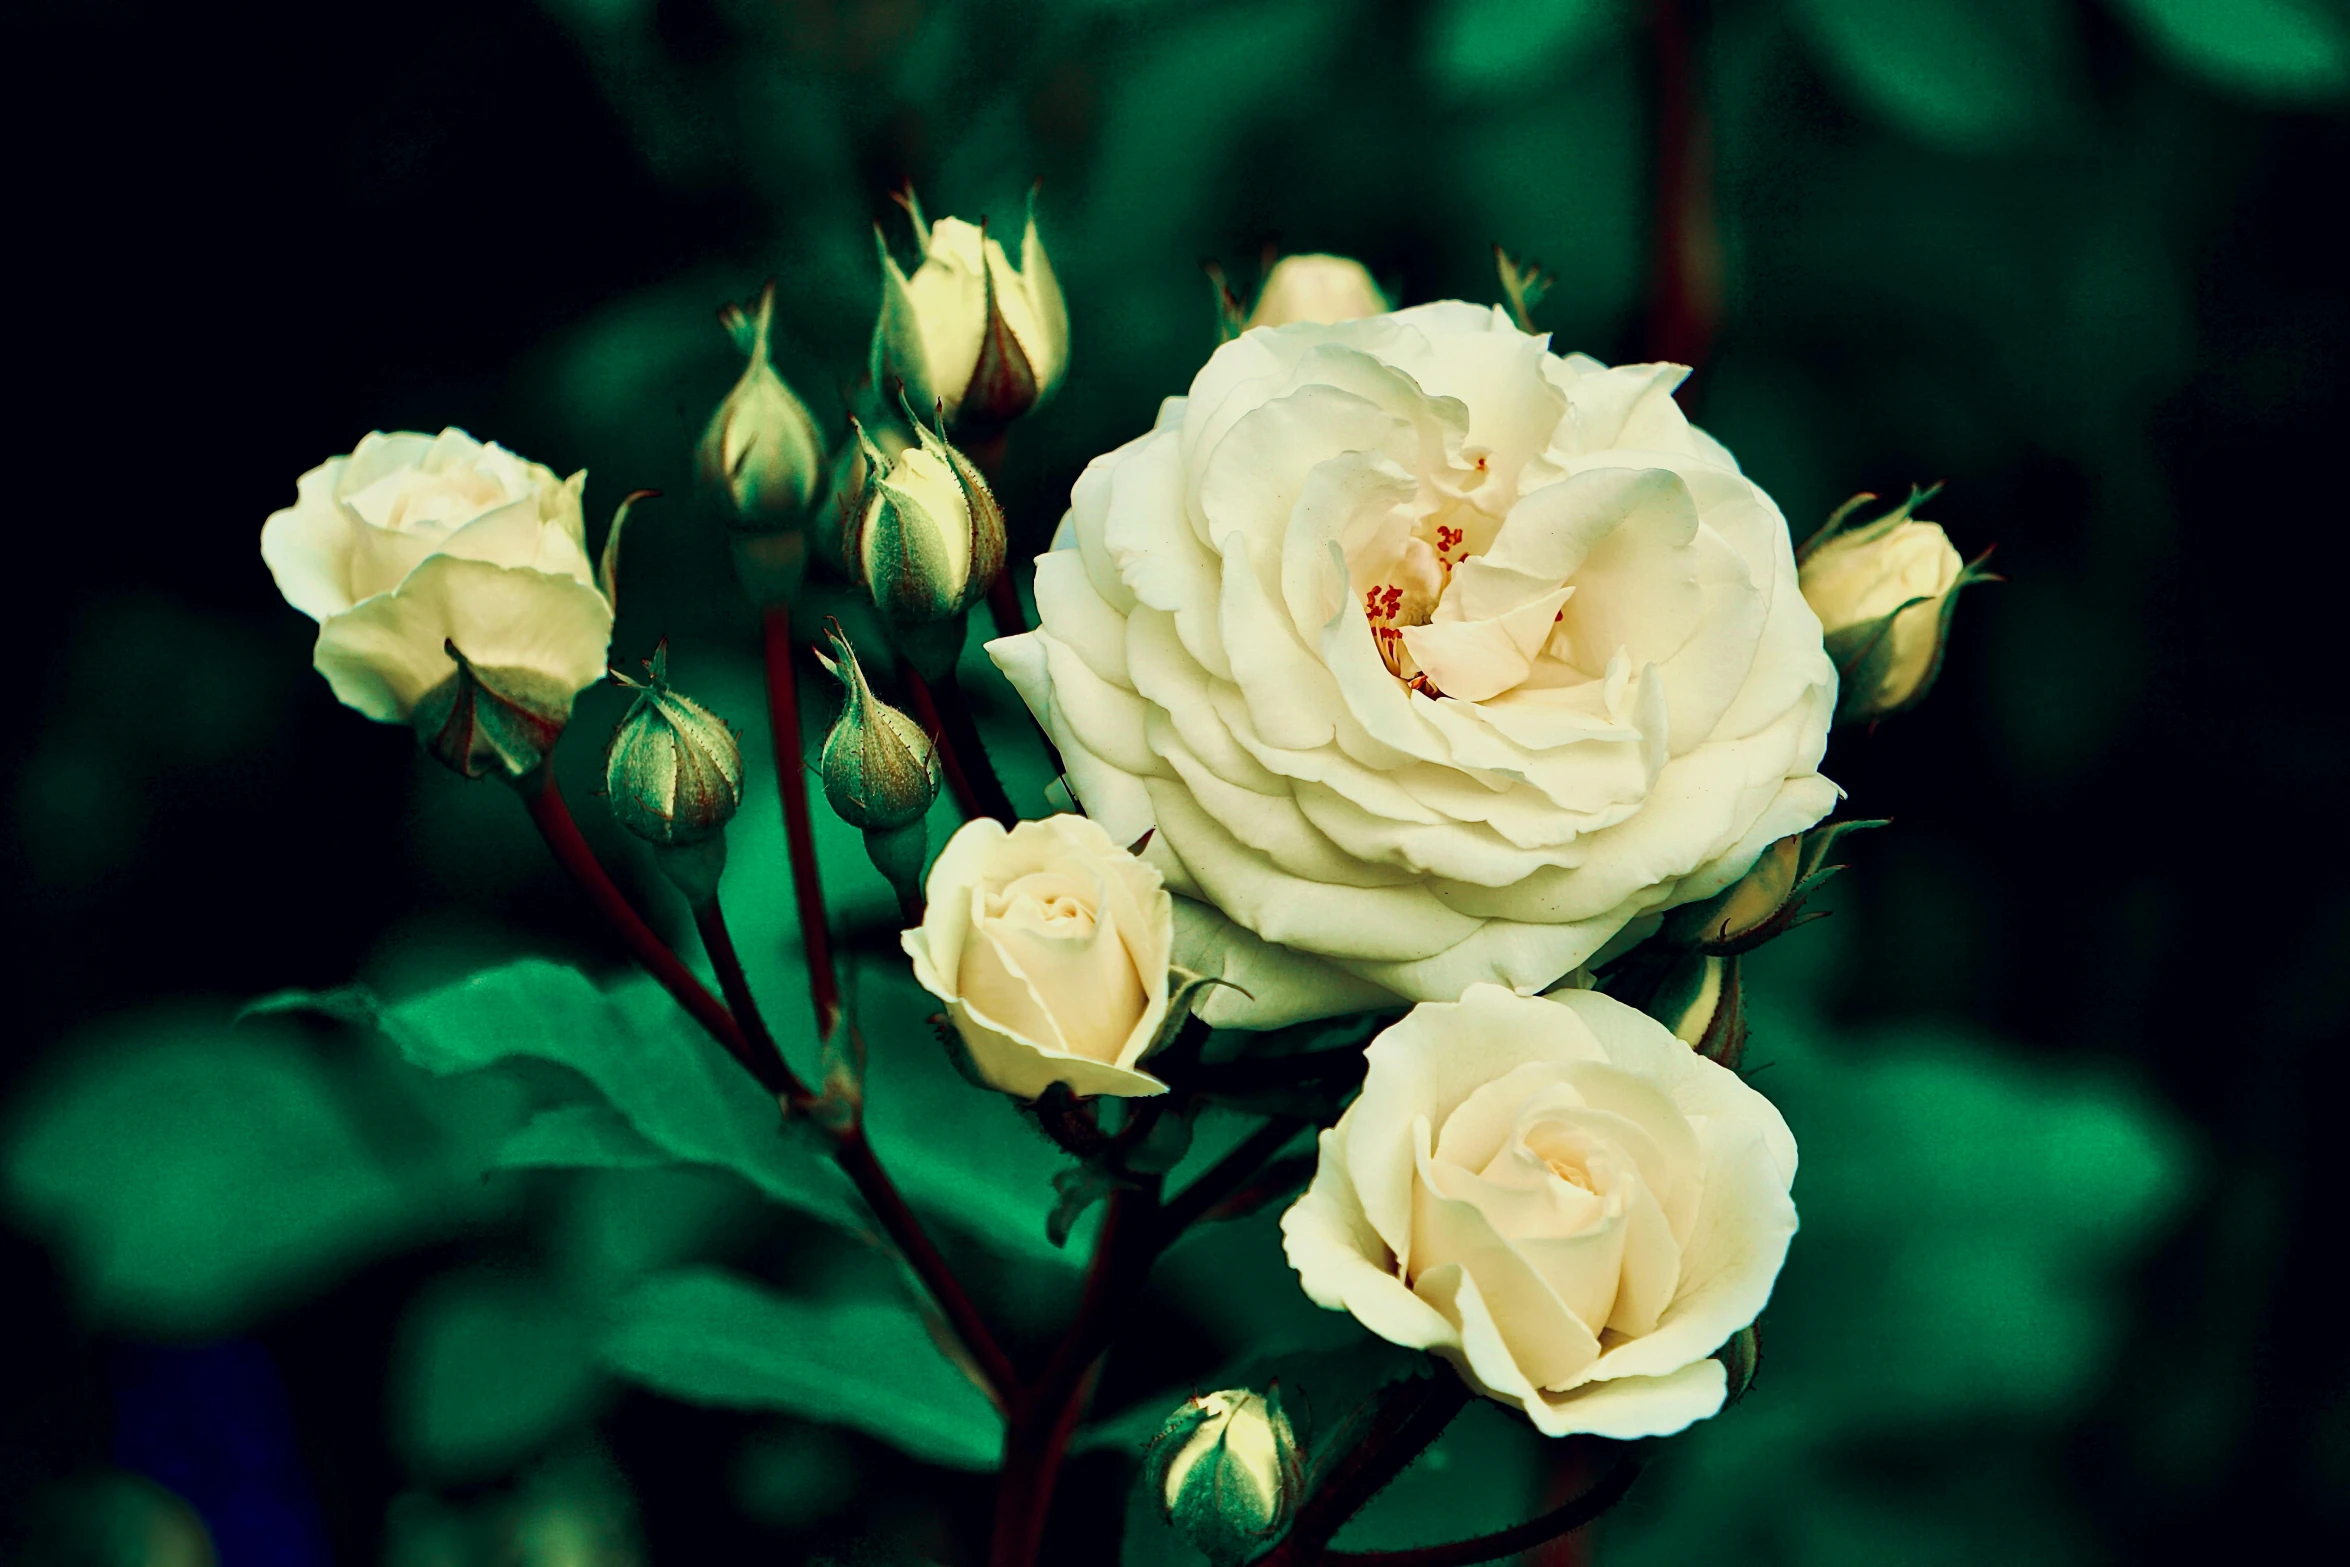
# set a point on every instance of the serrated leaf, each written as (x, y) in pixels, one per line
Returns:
(678, 1092)
(870, 1364)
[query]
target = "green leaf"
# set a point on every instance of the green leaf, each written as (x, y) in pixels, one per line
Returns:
(1483, 45)
(709, 1337)
(580, 1136)
(679, 1093)
(488, 1369)
(195, 1176)
(2283, 51)
(1965, 74)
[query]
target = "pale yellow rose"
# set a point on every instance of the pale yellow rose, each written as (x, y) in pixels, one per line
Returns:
(1909, 571)
(1560, 1198)
(1049, 945)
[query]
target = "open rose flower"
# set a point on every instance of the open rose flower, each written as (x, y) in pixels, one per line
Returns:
(413, 543)
(1049, 944)
(1560, 1198)
(1432, 657)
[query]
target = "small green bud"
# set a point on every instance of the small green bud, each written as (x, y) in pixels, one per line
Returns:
(674, 771)
(1226, 1473)
(761, 452)
(880, 773)
(1702, 1002)
(483, 721)
(930, 540)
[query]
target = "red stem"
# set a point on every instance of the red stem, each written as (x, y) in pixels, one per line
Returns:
(961, 753)
(791, 782)
(1045, 1417)
(544, 801)
(1682, 306)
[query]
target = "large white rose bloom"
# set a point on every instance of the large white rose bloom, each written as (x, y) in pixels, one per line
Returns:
(1431, 657)
(1560, 1198)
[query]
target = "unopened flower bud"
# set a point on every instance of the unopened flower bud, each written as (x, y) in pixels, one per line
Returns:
(675, 771)
(761, 452)
(1317, 288)
(832, 533)
(1703, 1003)
(880, 773)
(1225, 1470)
(967, 331)
(483, 721)
(1885, 592)
(930, 541)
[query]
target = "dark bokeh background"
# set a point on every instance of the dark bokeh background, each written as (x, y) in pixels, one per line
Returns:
(2081, 261)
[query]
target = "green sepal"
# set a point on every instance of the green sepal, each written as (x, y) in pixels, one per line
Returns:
(484, 721)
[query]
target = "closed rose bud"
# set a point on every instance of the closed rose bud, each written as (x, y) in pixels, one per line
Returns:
(1317, 288)
(1226, 1473)
(1885, 593)
(761, 453)
(1702, 1002)
(880, 774)
(674, 771)
(452, 589)
(930, 541)
(967, 330)
(832, 534)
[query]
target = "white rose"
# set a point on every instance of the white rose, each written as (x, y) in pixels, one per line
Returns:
(414, 542)
(1560, 1198)
(1049, 944)
(1316, 288)
(1431, 657)
(1908, 571)
(937, 333)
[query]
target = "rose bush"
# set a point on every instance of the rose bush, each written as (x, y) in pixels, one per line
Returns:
(1049, 944)
(1560, 1198)
(414, 542)
(1432, 657)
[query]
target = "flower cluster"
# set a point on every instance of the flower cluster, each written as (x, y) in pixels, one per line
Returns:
(1403, 668)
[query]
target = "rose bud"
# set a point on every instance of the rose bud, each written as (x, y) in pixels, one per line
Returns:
(675, 777)
(880, 773)
(1226, 1472)
(1558, 1197)
(929, 542)
(452, 589)
(1885, 593)
(761, 452)
(832, 533)
(1049, 945)
(1701, 1000)
(1316, 288)
(967, 331)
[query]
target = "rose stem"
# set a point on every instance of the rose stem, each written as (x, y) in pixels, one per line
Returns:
(718, 944)
(1561, 1520)
(791, 782)
(544, 801)
(850, 1149)
(1680, 320)
(1045, 1415)
(960, 749)
(1409, 1417)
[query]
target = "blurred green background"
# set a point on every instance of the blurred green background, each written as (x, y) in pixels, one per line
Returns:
(2059, 1064)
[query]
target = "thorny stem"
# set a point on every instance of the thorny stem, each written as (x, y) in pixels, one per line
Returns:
(1563, 1519)
(718, 943)
(552, 817)
(791, 782)
(960, 750)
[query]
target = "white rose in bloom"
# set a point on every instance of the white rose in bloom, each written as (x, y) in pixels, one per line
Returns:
(413, 542)
(967, 329)
(1316, 288)
(1431, 656)
(1049, 944)
(1560, 1198)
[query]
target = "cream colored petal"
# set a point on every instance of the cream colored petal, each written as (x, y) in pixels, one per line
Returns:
(1540, 1333)
(1343, 1265)
(1266, 986)
(1069, 607)
(1633, 1407)
(1017, 1067)
(307, 546)
(384, 653)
